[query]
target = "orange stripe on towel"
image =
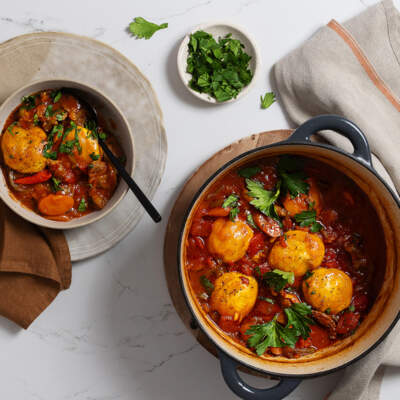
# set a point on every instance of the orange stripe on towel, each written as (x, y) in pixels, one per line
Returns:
(363, 60)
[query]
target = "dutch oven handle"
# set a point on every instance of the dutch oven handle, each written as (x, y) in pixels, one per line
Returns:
(246, 392)
(340, 125)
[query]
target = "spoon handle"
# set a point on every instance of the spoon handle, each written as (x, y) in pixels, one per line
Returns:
(131, 183)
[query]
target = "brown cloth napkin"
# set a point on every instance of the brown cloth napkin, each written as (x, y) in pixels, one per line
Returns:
(35, 266)
(353, 70)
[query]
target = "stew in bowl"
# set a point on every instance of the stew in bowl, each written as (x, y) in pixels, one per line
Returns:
(51, 159)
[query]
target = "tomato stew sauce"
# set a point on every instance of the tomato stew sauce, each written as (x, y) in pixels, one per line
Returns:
(51, 158)
(285, 255)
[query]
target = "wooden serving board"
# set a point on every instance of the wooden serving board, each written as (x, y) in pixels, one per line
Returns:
(178, 212)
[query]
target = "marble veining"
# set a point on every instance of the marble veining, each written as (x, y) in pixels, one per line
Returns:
(115, 333)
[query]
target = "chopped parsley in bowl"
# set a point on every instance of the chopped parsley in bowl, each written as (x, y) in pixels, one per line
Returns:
(218, 63)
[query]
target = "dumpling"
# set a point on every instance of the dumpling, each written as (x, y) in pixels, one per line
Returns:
(229, 239)
(302, 202)
(298, 252)
(23, 148)
(234, 295)
(89, 147)
(328, 289)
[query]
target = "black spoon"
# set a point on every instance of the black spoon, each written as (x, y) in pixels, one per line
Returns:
(154, 214)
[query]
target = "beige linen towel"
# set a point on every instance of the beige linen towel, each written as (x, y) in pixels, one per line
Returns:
(353, 70)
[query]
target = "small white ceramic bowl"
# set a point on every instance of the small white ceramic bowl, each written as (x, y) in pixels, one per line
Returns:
(114, 121)
(220, 29)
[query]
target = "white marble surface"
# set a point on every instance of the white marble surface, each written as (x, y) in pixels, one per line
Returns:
(115, 334)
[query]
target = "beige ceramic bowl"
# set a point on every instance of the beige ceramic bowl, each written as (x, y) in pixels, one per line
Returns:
(115, 122)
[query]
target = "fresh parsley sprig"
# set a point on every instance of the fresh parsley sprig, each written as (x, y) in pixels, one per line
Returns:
(298, 319)
(263, 199)
(273, 334)
(267, 100)
(270, 334)
(144, 29)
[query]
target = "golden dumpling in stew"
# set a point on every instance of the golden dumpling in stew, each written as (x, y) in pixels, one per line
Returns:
(328, 289)
(300, 203)
(229, 239)
(298, 252)
(234, 295)
(88, 150)
(23, 148)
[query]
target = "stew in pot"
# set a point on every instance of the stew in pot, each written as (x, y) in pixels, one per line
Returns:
(284, 255)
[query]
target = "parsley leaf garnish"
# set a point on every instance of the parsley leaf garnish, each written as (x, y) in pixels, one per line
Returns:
(47, 149)
(352, 308)
(49, 111)
(60, 116)
(232, 202)
(35, 119)
(82, 205)
(29, 101)
(56, 96)
(297, 315)
(293, 180)
(270, 334)
(267, 299)
(249, 172)
(208, 286)
(267, 100)
(278, 279)
(263, 199)
(144, 29)
(9, 129)
(308, 274)
(57, 129)
(218, 68)
(55, 184)
(250, 220)
(308, 218)
(94, 156)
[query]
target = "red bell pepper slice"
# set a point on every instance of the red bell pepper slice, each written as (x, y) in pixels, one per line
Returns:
(39, 177)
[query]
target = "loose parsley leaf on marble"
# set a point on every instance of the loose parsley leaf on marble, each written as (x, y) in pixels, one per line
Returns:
(144, 29)
(267, 100)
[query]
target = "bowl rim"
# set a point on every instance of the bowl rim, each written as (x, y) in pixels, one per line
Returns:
(182, 61)
(17, 207)
(225, 167)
